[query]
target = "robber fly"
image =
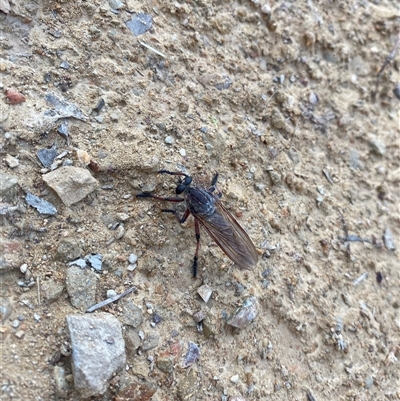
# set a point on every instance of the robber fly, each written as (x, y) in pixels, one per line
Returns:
(208, 212)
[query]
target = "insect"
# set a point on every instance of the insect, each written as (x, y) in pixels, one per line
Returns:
(208, 212)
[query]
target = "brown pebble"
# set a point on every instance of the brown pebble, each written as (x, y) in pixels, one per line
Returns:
(14, 97)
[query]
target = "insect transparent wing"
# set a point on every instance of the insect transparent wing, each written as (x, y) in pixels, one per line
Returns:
(230, 236)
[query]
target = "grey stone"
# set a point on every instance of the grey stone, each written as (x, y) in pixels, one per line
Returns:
(150, 341)
(165, 363)
(115, 4)
(376, 145)
(8, 185)
(98, 351)
(68, 249)
(192, 355)
(81, 287)
(41, 205)
(72, 184)
(132, 340)
(46, 156)
(51, 290)
(140, 23)
(389, 240)
(205, 292)
(5, 309)
(131, 314)
(244, 315)
(11, 161)
(60, 381)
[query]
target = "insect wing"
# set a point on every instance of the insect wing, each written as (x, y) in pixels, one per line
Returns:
(230, 236)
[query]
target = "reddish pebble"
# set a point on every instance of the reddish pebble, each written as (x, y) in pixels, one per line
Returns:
(14, 97)
(239, 213)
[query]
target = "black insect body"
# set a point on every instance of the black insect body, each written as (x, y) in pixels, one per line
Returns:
(209, 212)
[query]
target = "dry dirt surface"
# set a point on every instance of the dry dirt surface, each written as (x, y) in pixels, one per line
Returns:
(295, 105)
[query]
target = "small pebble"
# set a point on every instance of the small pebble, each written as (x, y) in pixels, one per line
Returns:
(235, 379)
(389, 240)
(192, 355)
(156, 318)
(115, 4)
(36, 317)
(169, 140)
(182, 152)
(46, 156)
(11, 161)
(64, 65)
(205, 292)
(15, 324)
(132, 259)
(23, 268)
(313, 98)
(131, 268)
(111, 293)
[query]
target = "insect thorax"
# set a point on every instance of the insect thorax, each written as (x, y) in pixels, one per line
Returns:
(200, 201)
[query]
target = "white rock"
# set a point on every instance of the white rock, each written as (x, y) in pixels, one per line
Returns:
(11, 161)
(72, 184)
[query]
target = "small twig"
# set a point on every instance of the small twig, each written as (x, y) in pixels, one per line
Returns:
(152, 49)
(110, 300)
(346, 231)
(38, 290)
(387, 61)
(361, 278)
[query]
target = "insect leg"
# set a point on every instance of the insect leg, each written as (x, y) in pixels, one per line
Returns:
(171, 172)
(182, 219)
(197, 231)
(214, 180)
(213, 183)
(161, 198)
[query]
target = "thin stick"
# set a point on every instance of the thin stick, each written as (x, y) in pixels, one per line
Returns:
(110, 300)
(361, 278)
(388, 60)
(38, 290)
(152, 49)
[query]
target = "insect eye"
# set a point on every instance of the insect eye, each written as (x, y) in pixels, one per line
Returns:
(180, 188)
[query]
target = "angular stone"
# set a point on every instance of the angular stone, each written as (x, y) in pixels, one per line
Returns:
(244, 315)
(205, 292)
(8, 185)
(98, 351)
(72, 184)
(151, 341)
(165, 363)
(51, 290)
(81, 287)
(68, 249)
(131, 314)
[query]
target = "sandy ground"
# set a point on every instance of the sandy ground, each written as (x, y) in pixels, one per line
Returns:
(275, 97)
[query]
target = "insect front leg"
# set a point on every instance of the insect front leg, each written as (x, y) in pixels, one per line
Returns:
(161, 198)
